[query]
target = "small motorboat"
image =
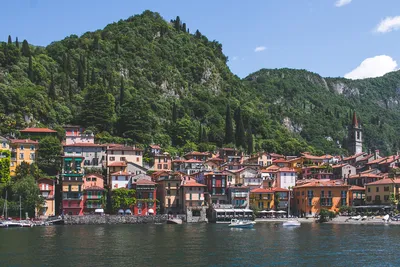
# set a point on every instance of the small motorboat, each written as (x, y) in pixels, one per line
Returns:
(241, 224)
(291, 223)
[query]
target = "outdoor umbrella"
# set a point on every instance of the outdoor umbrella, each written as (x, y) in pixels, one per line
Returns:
(121, 211)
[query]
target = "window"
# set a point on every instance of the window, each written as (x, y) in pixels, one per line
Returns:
(169, 202)
(223, 182)
(122, 159)
(69, 188)
(151, 195)
(213, 182)
(322, 194)
(168, 192)
(21, 147)
(79, 188)
(32, 156)
(213, 191)
(159, 166)
(137, 153)
(377, 198)
(112, 158)
(343, 194)
(94, 179)
(369, 198)
(223, 191)
(190, 196)
(386, 188)
(377, 189)
(21, 155)
(177, 185)
(310, 202)
(330, 194)
(165, 166)
(302, 193)
(137, 159)
(169, 185)
(230, 178)
(139, 211)
(386, 197)
(310, 194)
(126, 178)
(261, 205)
(4, 144)
(165, 160)
(369, 189)
(199, 196)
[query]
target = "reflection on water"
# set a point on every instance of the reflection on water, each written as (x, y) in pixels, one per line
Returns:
(201, 245)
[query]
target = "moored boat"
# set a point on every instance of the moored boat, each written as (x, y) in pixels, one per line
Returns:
(291, 223)
(241, 224)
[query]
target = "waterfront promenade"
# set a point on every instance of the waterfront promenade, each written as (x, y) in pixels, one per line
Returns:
(337, 220)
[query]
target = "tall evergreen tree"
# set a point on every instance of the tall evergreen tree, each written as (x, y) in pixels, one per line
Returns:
(239, 133)
(88, 75)
(30, 69)
(9, 40)
(177, 23)
(200, 137)
(52, 89)
(204, 137)
(250, 143)
(184, 27)
(81, 75)
(96, 45)
(16, 42)
(197, 34)
(174, 113)
(111, 83)
(26, 51)
(229, 137)
(116, 49)
(93, 80)
(121, 92)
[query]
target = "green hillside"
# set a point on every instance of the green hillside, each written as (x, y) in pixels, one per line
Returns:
(145, 80)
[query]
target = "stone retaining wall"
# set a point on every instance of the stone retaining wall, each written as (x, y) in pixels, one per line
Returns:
(113, 219)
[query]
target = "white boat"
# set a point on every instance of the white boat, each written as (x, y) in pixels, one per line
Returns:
(386, 218)
(241, 224)
(292, 223)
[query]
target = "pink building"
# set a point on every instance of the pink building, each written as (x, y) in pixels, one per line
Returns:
(47, 190)
(93, 185)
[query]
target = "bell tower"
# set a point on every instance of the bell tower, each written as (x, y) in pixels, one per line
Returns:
(355, 136)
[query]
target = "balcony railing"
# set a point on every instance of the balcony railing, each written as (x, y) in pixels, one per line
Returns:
(71, 178)
(93, 197)
(237, 194)
(69, 196)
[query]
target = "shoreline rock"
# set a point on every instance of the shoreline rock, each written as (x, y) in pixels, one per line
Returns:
(113, 219)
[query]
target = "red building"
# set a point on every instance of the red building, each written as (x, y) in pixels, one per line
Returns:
(216, 183)
(145, 197)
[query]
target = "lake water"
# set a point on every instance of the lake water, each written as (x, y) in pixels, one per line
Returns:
(268, 244)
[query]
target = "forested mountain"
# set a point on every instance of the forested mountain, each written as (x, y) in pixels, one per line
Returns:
(145, 80)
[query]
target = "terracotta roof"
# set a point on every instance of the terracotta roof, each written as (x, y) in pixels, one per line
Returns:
(329, 183)
(94, 174)
(385, 181)
(376, 161)
(366, 157)
(356, 188)
(295, 159)
(365, 175)
(143, 182)
(340, 165)
(21, 141)
(215, 173)
(215, 159)
(274, 155)
(193, 161)
(196, 153)
(125, 148)
(85, 145)
(261, 190)
(193, 184)
(390, 159)
(117, 164)
(228, 149)
(37, 130)
(155, 146)
(278, 189)
(308, 156)
(280, 161)
(354, 156)
(94, 188)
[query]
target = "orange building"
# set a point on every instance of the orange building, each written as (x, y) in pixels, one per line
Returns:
(24, 150)
(310, 198)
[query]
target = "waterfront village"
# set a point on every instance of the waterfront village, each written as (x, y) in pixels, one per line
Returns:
(206, 186)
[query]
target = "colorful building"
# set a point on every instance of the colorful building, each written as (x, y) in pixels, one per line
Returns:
(4, 143)
(310, 198)
(22, 150)
(72, 185)
(37, 133)
(47, 191)
(239, 196)
(356, 196)
(146, 195)
(93, 196)
(362, 179)
(382, 192)
(168, 192)
(192, 194)
(217, 185)
(77, 135)
(262, 199)
(162, 162)
(120, 180)
(286, 178)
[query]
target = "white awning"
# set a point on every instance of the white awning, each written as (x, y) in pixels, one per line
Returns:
(151, 211)
(99, 210)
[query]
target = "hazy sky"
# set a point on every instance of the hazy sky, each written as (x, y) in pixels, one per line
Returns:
(352, 38)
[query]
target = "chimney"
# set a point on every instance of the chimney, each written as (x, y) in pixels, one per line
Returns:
(376, 154)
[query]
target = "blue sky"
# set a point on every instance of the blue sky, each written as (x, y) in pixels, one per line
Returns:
(330, 37)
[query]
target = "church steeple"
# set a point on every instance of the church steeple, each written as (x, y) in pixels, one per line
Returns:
(355, 136)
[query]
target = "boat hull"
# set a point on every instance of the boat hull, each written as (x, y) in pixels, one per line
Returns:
(242, 226)
(291, 224)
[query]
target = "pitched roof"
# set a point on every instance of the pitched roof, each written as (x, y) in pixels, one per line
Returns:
(366, 157)
(21, 141)
(261, 190)
(94, 174)
(385, 181)
(356, 188)
(196, 153)
(117, 164)
(193, 184)
(365, 175)
(125, 148)
(286, 169)
(320, 183)
(214, 159)
(354, 156)
(280, 161)
(37, 130)
(155, 146)
(193, 161)
(120, 173)
(144, 182)
(274, 155)
(278, 189)
(376, 161)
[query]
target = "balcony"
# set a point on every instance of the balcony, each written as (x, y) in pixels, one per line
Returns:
(72, 196)
(267, 198)
(72, 178)
(239, 194)
(93, 197)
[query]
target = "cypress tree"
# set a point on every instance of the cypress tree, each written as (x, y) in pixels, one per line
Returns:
(52, 89)
(184, 27)
(70, 90)
(81, 76)
(87, 75)
(229, 137)
(239, 134)
(188, 31)
(250, 143)
(177, 23)
(121, 92)
(16, 42)
(200, 136)
(93, 80)
(30, 69)
(111, 83)
(26, 51)
(96, 45)
(174, 113)
(9, 40)
(116, 47)
(198, 34)
(204, 136)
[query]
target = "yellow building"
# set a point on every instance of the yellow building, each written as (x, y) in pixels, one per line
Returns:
(382, 192)
(311, 197)
(22, 150)
(168, 190)
(264, 199)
